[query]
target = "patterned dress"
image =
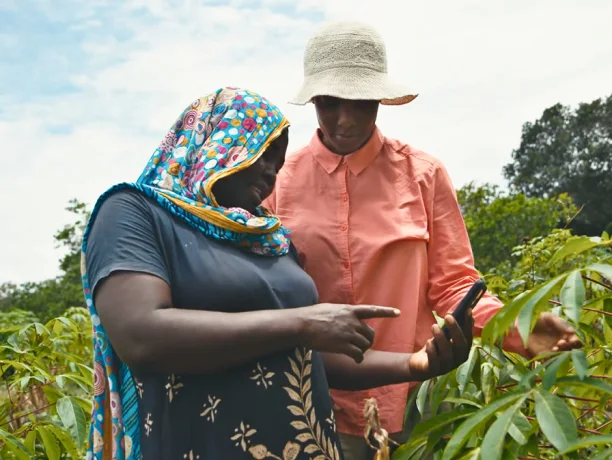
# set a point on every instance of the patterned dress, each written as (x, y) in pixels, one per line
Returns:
(276, 407)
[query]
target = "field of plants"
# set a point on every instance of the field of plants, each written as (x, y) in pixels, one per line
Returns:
(529, 244)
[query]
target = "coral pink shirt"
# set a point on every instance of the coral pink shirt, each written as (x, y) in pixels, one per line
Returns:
(381, 226)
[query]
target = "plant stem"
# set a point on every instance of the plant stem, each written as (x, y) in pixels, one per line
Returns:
(607, 313)
(35, 411)
(601, 283)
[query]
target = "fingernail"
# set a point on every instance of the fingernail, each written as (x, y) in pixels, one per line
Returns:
(396, 311)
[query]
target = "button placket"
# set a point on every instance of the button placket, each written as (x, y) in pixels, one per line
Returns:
(343, 236)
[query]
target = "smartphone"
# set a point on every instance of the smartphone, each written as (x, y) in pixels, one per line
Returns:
(469, 301)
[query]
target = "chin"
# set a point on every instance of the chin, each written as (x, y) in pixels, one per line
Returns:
(345, 148)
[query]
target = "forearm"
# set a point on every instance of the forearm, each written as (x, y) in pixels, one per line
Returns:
(175, 340)
(378, 368)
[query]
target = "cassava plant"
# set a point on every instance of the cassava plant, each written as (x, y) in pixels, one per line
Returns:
(499, 405)
(46, 383)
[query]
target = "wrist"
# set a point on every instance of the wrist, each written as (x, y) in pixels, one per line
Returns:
(302, 325)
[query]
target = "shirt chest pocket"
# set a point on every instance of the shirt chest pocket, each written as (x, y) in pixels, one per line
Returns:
(411, 209)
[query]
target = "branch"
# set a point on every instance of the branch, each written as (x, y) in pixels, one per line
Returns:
(597, 311)
(601, 283)
(35, 411)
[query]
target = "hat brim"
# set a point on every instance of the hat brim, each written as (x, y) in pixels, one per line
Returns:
(345, 83)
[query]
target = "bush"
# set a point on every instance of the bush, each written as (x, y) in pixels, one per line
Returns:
(501, 405)
(47, 383)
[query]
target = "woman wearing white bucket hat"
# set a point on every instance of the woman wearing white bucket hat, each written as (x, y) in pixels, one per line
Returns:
(376, 221)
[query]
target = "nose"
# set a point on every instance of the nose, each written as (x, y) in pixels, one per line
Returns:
(269, 172)
(346, 117)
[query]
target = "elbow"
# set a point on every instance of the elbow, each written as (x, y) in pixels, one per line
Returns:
(137, 355)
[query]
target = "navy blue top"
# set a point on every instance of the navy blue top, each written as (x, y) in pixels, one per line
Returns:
(276, 407)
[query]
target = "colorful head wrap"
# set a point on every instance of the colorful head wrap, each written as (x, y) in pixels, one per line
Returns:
(216, 136)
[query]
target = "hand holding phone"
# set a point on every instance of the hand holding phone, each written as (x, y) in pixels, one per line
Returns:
(469, 301)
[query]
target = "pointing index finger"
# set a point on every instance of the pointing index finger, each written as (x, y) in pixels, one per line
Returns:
(374, 311)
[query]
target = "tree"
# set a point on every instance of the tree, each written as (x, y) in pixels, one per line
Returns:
(50, 298)
(497, 221)
(569, 151)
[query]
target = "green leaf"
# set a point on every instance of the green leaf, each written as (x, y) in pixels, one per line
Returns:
(30, 440)
(464, 372)
(465, 430)
(519, 428)
(556, 419)
(504, 319)
(493, 443)
(550, 376)
(573, 295)
(605, 455)
(439, 421)
(463, 401)
(603, 269)
(539, 298)
(594, 384)
(574, 246)
(473, 454)
(64, 437)
(411, 450)
(581, 365)
(50, 442)
(422, 397)
(595, 440)
(488, 382)
(14, 445)
(73, 419)
(439, 392)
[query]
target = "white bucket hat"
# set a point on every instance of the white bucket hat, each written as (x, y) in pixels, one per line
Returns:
(348, 60)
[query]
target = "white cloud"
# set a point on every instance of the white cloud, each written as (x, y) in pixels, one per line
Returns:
(481, 68)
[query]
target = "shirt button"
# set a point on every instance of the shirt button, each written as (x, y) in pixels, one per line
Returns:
(343, 228)
(346, 264)
(344, 198)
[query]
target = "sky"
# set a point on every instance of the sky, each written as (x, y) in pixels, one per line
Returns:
(88, 88)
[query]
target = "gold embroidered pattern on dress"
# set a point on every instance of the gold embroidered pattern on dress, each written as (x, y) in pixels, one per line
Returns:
(262, 376)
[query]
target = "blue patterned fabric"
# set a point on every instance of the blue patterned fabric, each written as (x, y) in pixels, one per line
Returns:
(215, 136)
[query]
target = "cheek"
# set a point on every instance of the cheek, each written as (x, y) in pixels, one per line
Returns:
(327, 122)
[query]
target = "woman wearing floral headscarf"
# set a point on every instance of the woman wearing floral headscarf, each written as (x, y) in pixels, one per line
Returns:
(203, 320)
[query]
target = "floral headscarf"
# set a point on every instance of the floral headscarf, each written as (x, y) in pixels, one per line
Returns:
(216, 136)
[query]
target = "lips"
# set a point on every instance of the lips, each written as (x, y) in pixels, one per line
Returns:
(345, 136)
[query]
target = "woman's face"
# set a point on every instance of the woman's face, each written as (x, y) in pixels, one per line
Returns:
(345, 125)
(248, 188)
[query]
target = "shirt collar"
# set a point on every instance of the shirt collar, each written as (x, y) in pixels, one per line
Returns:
(356, 161)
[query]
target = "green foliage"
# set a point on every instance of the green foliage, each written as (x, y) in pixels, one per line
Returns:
(51, 298)
(500, 405)
(46, 384)
(497, 222)
(569, 151)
